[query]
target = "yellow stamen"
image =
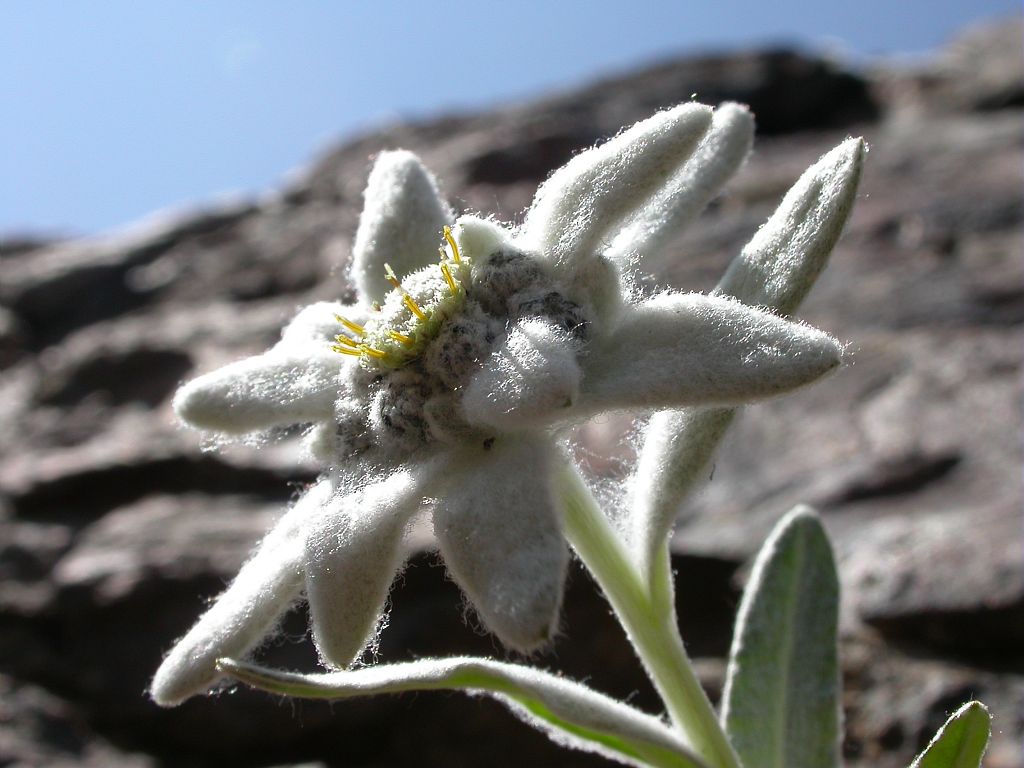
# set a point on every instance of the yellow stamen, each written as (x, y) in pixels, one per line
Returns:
(451, 242)
(354, 327)
(346, 341)
(400, 337)
(391, 277)
(346, 350)
(409, 301)
(448, 278)
(413, 306)
(372, 351)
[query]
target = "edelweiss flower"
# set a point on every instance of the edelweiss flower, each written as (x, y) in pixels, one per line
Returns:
(447, 388)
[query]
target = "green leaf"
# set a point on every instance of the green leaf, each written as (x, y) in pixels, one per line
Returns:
(961, 742)
(571, 714)
(781, 704)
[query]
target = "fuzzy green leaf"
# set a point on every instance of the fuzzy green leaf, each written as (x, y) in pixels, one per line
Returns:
(961, 742)
(571, 714)
(781, 701)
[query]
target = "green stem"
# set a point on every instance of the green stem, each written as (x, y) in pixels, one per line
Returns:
(649, 621)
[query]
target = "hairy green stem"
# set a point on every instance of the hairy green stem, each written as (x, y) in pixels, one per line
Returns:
(649, 619)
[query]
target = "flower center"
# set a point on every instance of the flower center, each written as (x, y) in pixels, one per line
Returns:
(412, 314)
(432, 331)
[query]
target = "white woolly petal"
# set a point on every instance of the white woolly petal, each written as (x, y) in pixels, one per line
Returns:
(499, 531)
(776, 270)
(353, 549)
(401, 223)
(778, 266)
(596, 723)
(720, 154)
(597, 190)
(528, 381)
(290, 384)
(478, 238)
(246, 613)
(678, 446)
(689, 349)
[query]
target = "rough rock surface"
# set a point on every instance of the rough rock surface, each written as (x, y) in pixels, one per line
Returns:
(115, 525)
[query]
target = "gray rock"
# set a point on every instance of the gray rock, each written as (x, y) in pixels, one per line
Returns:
(38, 728)
(58, 288)
(82, 482)
(952, 581)
(978, 71)
(13, 338)
(896, 701)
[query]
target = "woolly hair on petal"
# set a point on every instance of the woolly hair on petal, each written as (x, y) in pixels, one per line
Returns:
(598, 190)
(499, 531)
(690, 349)
(353, 548)
(403, 216)
(780, 264)
(291, 384)
(717, 158)
(478, 237)
(776, 269)
(245, 613)
(529, 381)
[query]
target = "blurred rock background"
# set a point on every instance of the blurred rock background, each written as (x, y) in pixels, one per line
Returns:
(115, 526)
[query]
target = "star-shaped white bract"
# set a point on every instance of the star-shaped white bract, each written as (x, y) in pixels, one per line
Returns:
(447, 386)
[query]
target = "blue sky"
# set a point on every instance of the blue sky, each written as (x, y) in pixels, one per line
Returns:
(116, 109)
